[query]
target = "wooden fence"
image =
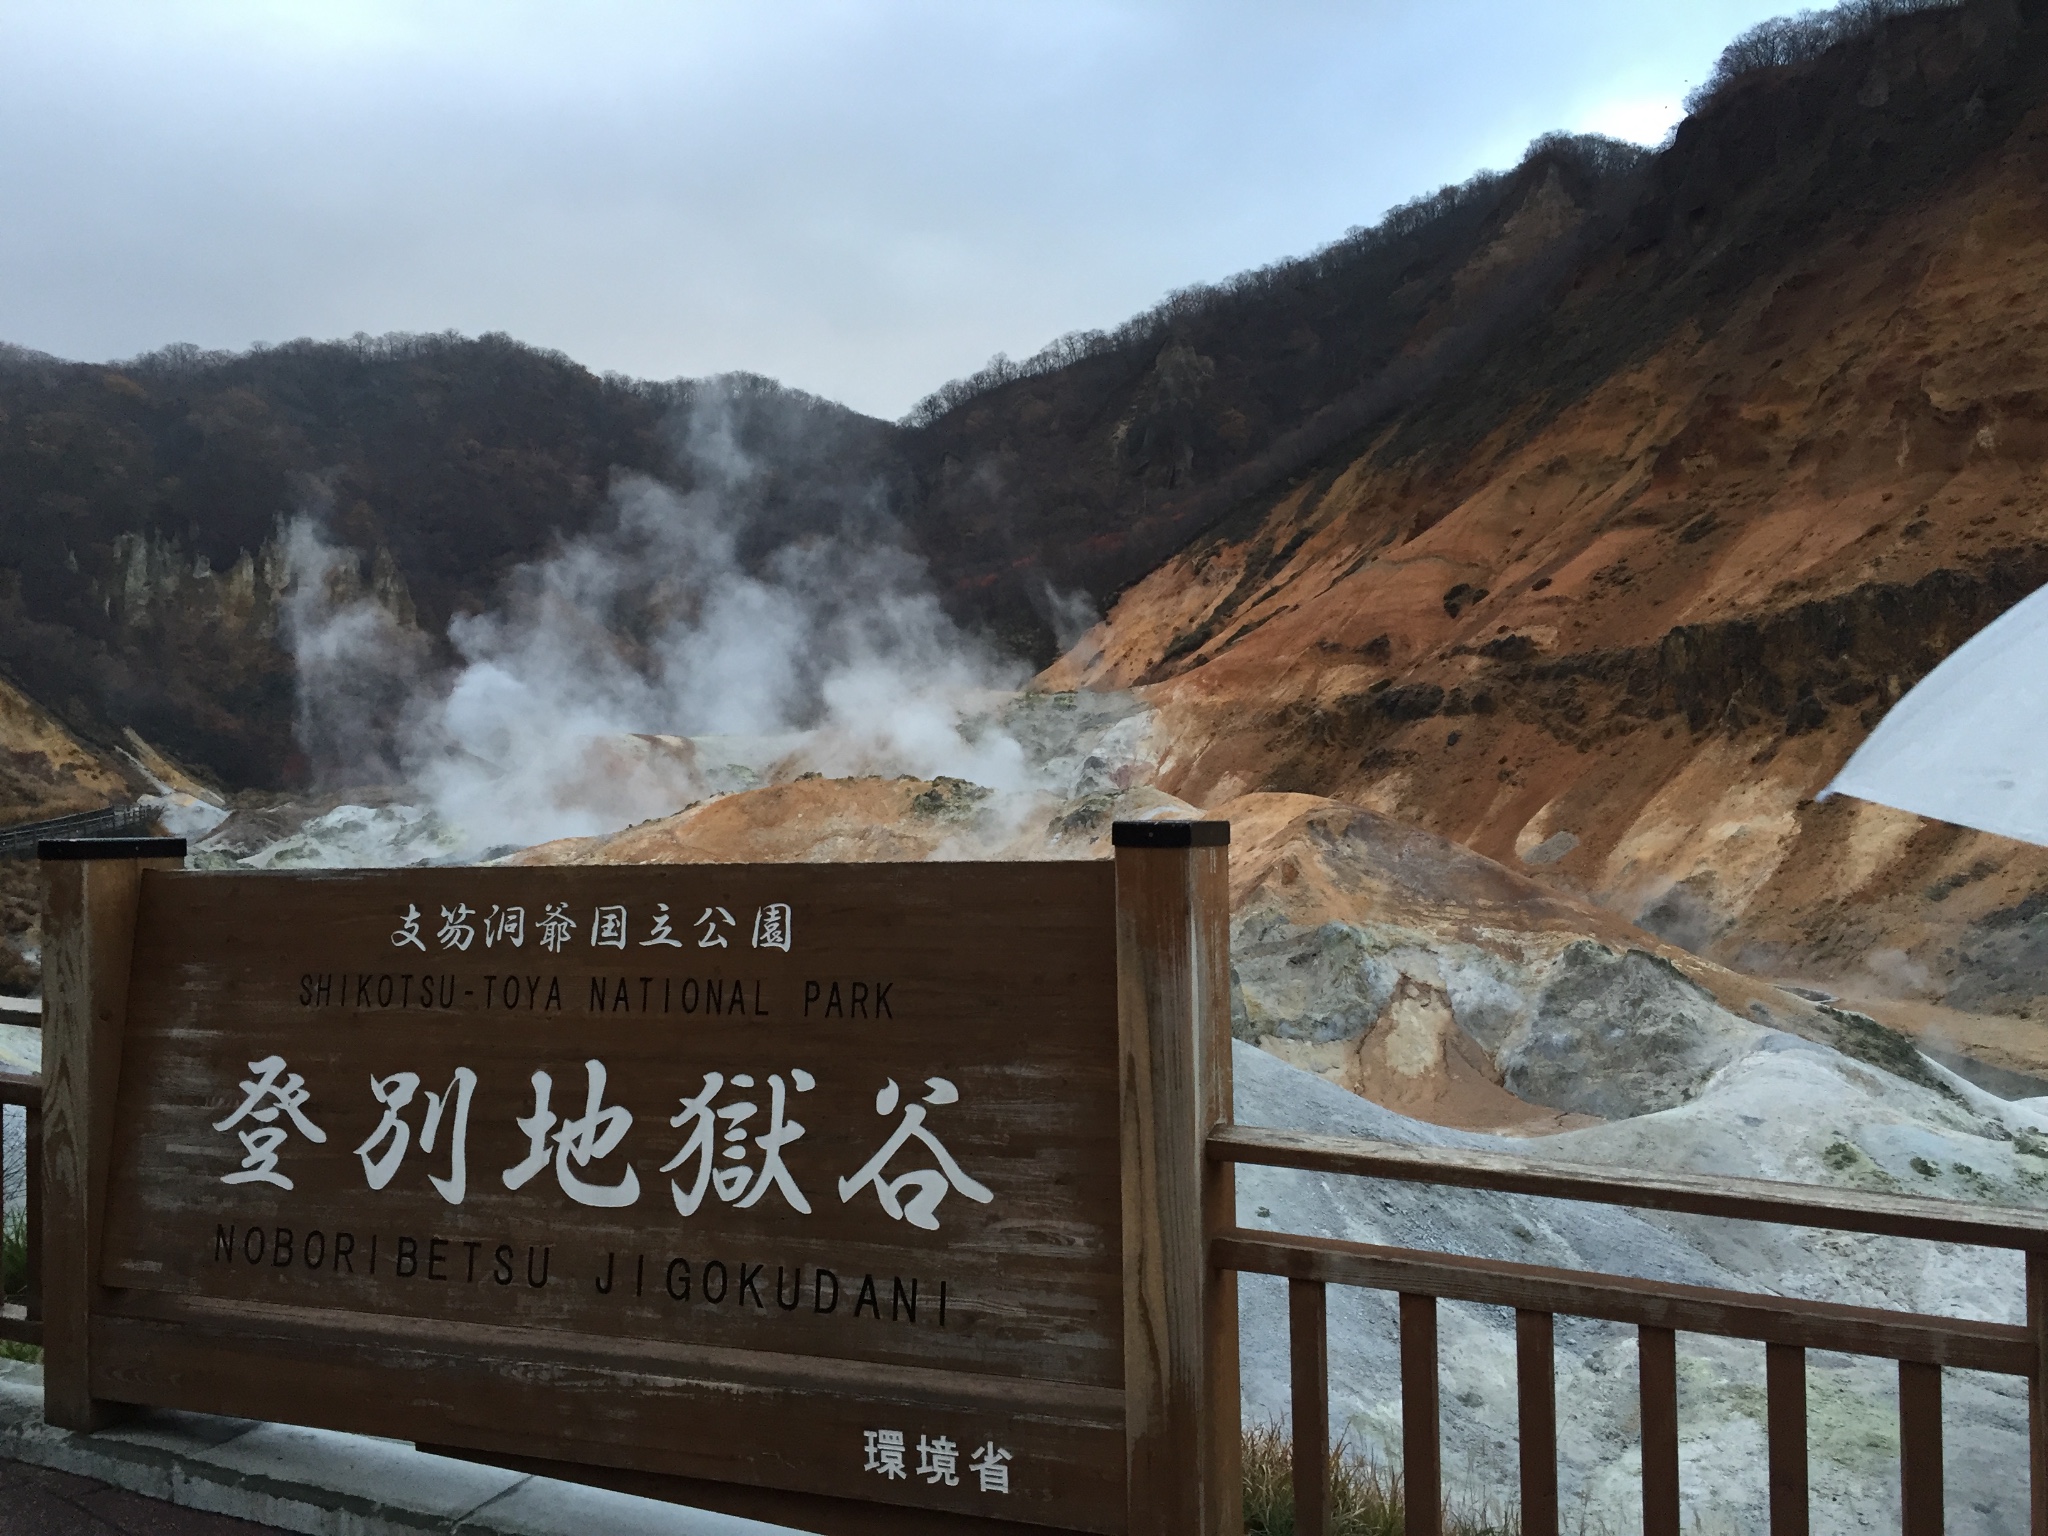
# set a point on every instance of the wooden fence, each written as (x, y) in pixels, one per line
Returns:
(1922, 1345)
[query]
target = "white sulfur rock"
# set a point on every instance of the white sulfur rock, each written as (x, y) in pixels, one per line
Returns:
(362, 837)
(1785, 1109)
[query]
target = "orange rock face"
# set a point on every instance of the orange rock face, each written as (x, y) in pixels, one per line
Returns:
(1324, 897)
(1623, 647)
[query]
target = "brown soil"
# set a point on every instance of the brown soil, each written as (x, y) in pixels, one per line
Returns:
(1624, 652)
(1312, 860)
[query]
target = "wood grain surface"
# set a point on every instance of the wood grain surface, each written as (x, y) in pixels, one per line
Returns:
(90, 912)
(273, 1020)
(1959, 1342)
(735, 1416)
(1808, 1205)
(1172, 910)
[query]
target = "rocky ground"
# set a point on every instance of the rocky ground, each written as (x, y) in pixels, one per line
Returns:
(1379, 955)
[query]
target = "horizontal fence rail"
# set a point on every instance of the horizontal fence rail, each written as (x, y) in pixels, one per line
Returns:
(110, 821)
(1922, 1344)
(2003, 1348)
(1799, 1205)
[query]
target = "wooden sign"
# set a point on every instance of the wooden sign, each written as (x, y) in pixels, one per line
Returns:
(830, 1186)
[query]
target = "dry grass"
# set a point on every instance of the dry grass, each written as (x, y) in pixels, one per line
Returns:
(1365, 1497)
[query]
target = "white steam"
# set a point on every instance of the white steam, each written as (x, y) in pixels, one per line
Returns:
(357, 661)
(1070, 614)
(582, 701)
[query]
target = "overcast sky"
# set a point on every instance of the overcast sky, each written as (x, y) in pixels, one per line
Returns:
(862, 198)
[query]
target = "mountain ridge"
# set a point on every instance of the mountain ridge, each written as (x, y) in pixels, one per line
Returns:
(445, 462)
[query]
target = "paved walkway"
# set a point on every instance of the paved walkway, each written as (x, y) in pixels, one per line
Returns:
(35, 1501)
(189, 1474)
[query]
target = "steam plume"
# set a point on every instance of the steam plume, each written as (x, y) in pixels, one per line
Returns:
(561, 712)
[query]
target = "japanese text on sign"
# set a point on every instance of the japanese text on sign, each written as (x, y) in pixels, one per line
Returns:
(717, 1156)
(607, 927)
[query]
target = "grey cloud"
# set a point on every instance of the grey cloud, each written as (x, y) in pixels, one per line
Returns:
(861, 199)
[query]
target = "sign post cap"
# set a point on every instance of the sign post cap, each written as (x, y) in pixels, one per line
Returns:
(58, 848)
(1169, 834)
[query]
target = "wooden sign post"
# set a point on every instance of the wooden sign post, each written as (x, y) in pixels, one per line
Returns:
(860, 1197)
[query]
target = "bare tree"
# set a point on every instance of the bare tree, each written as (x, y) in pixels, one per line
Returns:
(1788, 40)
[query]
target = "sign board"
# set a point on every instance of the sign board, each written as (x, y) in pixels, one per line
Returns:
(805, 1179)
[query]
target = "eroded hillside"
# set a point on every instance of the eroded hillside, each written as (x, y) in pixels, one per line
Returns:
(1623, 640)
(145, 567)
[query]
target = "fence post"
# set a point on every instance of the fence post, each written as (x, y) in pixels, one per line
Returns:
(1181, 1429)
(1657, 1364)
(1536, 1401)
(1422, 1450)
(1789, 1482)
(1921, 1495)
(1308, 1339)
(2037, 1394)
(91, 890)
